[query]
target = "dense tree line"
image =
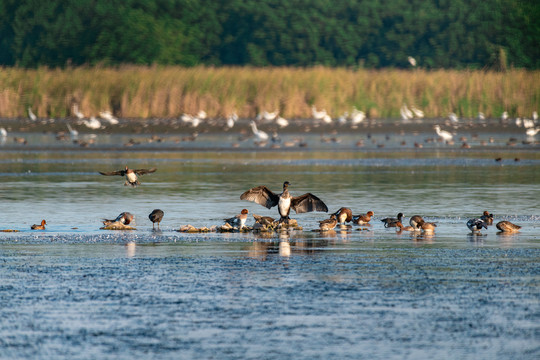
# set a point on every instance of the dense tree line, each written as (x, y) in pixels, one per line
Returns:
(370, 33)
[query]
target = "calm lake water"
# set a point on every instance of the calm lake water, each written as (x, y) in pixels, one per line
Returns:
(75, 291)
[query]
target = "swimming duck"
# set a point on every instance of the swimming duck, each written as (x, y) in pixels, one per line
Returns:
(391, 222)
(406, 228)
(238, 220)
(362, 219)
(155, 217)
(475, 225)
(487, 218)
(264, 220)
(124, 218)
(507, 226)
(344, 215)
(414, 220)
(130, 174)
(426, 227)
(285, 202)
(328, 224)
(39, 227)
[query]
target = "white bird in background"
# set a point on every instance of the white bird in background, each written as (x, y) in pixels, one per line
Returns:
(318, 115)
(528, 123)
(72, 132)
(405, 113)
(412, 61)
(202, 115)
(535, 116)
(231, 119)
(357, 116)
(267, 116)
(481, 116)
(31, 114)
(3, 133)
(419, 114)
(504, 116)
(443, 134)
(76, 112)
(93, 123)
(453, 117)
(108, 116)
(259, 134)
(519, 123)
(532, 131)
(282, 122)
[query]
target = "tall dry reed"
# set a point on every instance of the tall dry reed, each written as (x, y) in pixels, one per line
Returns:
(166, 92)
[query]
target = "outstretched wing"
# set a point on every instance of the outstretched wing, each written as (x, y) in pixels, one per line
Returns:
(261, 195)
(111, 173)
(307, 203)
(144, 171)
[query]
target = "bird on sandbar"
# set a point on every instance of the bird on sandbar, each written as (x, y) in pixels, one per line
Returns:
(344, 215)
(264, 220)
(328, 224)
(125, 218)
(285, 202)
(130, 174)
(475, 225)
(39, 227)
(238, 220)
(391, 222)
(507, 227)
(155, 217)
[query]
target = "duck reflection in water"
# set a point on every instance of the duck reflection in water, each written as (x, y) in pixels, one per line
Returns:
(130, 249)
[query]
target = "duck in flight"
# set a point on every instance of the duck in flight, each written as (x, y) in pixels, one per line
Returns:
(130, 174)
(285, 202)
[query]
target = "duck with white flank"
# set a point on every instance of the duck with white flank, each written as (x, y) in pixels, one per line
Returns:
(239, 220)
(343, 215)
(362, 219)
(475, 225)
(507, 227)
(285, 202)
(392, 222)
(155, 217)
(130, 174)
(487, 218)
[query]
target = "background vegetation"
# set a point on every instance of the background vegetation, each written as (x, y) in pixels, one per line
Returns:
(169, 91)
(353, 33)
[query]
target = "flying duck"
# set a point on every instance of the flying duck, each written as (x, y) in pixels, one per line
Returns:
(475, 225)
(39, 227)
(238, 220)
(391, 222)
(362, 219)
(328, 224)
(130, 174)
(124, 218)
(507, 226)
(344, 215)
(487, 218)
(155, 217)
(285, 202)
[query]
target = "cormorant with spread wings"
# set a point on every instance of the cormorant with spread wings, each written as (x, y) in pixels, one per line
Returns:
(285, 202)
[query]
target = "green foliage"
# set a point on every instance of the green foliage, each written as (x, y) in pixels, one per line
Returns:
(365, 33)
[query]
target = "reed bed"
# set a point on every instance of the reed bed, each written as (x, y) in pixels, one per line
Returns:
(168, 92)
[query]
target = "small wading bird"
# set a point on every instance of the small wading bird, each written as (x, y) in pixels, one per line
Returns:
(130, 174)
(259, 134)
(155, 217)
(239, 220)
(39, 227)
(443, 134)
(507, 227)
(285, 202)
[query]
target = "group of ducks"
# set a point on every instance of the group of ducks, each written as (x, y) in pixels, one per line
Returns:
(307, 202)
